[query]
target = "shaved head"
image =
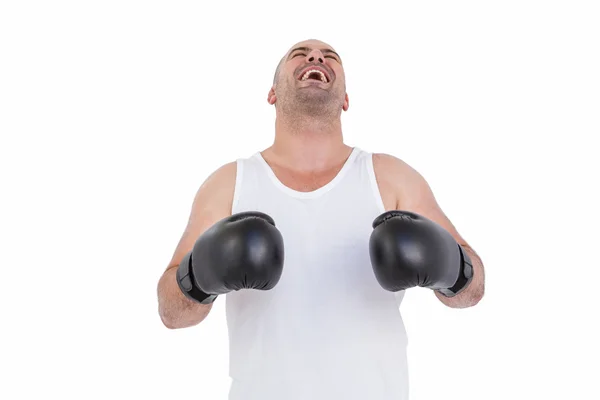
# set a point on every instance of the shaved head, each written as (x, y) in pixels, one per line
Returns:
(296, 46)
(277, 70)
(314, 96)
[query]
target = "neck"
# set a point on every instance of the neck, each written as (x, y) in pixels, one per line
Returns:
(305, 144)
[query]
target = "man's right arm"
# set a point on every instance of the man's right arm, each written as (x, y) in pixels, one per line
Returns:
(212, 202)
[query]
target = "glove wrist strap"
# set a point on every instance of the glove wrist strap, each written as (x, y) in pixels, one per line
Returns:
(185, 280)
(464, 278)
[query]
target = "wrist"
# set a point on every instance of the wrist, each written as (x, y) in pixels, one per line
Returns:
(186, 283)
(465, 275)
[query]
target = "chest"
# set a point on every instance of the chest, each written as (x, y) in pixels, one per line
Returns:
(305, 181)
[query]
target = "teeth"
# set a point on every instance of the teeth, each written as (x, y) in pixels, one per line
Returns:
(307, 73)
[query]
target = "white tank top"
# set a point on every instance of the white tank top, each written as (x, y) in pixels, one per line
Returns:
(327, 330)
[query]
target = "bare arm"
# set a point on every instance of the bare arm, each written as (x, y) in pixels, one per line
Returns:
(411, 192)
(212, 203)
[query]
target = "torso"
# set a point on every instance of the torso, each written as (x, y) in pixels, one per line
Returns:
(307, 182)
(344, 328)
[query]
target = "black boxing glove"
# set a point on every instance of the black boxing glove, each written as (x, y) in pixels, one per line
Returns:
(242, 251)
(409, 250)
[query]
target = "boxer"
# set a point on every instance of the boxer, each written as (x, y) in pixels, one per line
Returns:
(312, 244)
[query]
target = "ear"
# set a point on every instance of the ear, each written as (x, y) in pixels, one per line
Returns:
(272, 98)
(346, 103)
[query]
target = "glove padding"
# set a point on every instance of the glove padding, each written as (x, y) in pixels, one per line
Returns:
(242, 251)
(409, 250)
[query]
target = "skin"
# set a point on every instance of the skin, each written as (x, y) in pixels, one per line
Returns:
(308, 151)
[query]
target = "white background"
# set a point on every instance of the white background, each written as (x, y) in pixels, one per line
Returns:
(112, 114)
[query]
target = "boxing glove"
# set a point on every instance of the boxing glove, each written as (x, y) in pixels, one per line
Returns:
(409, 250)
(242, 251)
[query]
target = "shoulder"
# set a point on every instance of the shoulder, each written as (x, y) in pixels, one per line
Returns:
(399, 179)
(223, 175)
(386, 164)
(395, 170)
(218, 188)
(211, 203)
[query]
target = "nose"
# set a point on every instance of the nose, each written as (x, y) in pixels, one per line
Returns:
(315, 55)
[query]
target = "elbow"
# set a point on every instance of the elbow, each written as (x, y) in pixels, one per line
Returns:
(167, 321)
(176, 320)
(172, 323)
(463, 300)
(475, 300)
(172, 326)
(167, 315)
(474, 292)
(166, 310)
(476, 297)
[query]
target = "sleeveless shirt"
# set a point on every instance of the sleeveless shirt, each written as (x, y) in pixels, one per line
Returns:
(327, 330)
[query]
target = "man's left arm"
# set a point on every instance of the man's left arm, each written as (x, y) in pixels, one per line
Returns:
(414, 194)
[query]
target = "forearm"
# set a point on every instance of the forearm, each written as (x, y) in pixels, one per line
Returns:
(175, 309)
(474, 291)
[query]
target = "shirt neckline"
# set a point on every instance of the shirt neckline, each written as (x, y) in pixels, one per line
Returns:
(314, 193)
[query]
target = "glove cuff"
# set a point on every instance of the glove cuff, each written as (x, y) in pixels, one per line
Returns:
(185, 280)
(464, 278)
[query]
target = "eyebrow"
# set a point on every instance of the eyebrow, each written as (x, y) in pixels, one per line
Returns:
(308, 49)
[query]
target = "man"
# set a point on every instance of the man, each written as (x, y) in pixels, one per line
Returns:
(312, 244)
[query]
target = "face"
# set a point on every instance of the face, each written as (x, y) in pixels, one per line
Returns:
(310, 80)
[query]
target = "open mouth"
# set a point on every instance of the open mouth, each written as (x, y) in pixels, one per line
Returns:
(314, 74)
